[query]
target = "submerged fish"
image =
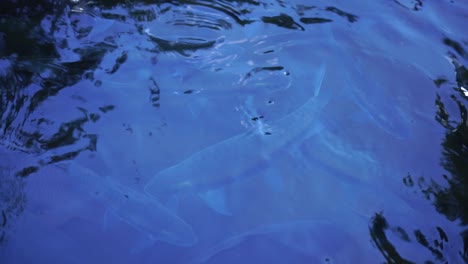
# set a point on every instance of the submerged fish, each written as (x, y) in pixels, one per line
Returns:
(317, 240)
(384, 98)
(226, 161)
(135, 208)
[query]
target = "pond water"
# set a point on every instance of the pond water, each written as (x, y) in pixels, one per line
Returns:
(193, 131)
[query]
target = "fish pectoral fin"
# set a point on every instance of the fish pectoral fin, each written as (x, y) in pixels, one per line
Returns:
(216, 200)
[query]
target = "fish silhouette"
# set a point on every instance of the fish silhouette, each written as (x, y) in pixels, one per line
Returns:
(317, 240)
(381, 96)
(137, 209)
(226, 161)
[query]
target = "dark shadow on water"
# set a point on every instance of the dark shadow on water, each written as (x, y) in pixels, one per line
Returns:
(450, 199)
(12, 198)
(378, 227)
(31, 72)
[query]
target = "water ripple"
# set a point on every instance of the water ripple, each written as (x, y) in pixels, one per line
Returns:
(131, 88)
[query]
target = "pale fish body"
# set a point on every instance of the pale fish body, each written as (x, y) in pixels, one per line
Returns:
(226, 161)
(139, 210)
(316, 239)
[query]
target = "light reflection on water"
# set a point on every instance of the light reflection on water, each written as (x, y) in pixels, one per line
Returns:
(327, 132)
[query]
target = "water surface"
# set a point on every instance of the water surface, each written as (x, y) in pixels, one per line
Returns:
(221, 131)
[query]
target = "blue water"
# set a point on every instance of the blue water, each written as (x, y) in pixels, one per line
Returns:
(223, 131)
